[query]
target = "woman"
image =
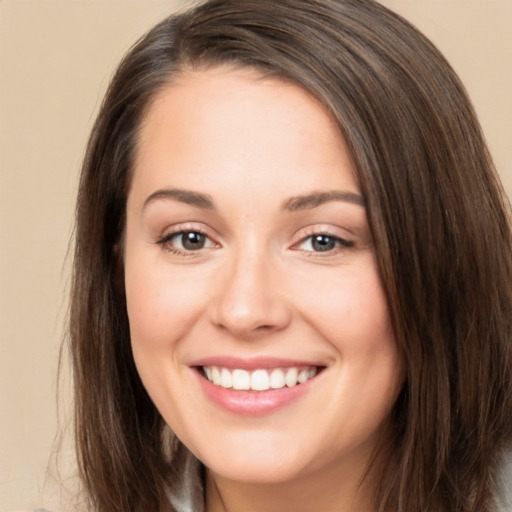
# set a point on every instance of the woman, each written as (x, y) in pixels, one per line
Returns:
(292, 271)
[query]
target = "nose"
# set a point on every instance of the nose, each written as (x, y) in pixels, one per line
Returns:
(250, 300)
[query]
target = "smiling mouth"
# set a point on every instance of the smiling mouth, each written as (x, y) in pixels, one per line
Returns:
(262, 379)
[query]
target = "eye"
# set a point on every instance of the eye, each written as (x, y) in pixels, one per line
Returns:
(185, 241)
(323, 242)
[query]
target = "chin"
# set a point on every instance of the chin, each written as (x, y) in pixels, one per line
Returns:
(262, 472)
(266, 459)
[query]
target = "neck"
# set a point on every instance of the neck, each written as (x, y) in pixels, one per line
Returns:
(336, 491)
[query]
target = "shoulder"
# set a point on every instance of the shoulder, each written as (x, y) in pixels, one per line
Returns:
(186, 486)
(505, 484)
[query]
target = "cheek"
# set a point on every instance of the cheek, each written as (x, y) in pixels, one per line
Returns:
(162, 305)
(162, 310)
(349, 309)
(351, 314)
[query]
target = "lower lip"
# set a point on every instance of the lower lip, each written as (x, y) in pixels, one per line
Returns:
(253, 403)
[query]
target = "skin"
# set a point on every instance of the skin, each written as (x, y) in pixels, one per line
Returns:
(258, 287)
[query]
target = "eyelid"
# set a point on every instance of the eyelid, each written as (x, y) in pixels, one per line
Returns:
(305, 234)
(177, 229)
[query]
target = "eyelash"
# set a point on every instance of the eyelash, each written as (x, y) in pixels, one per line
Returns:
(165, 241)
(340, 243)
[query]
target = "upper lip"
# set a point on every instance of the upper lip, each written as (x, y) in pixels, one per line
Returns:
(253, 363)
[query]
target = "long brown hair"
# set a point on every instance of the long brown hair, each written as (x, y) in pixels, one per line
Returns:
(437, 211)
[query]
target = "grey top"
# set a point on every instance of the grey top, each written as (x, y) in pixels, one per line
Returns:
(187, 495)
(505, 501)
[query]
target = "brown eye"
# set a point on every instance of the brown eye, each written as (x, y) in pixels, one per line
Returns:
(192, 240)
(186, 241)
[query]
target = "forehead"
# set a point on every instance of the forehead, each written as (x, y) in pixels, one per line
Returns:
(234, 124)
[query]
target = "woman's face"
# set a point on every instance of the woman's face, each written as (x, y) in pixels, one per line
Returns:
(249, 264)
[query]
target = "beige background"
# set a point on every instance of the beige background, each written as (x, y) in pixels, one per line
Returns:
(55, 61)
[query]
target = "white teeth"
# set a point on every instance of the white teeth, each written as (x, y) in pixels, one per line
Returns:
(291, 377)
(241, 379)
(216, 376)
(303, 376)
(225, 378)
(277, 379)
(260, 379)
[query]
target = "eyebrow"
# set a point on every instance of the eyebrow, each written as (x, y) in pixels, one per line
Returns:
(296, 203)
(315, 199)
(183, 196)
